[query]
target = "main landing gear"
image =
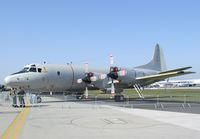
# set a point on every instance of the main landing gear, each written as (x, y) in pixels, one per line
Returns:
(80, 95)
(119, 98)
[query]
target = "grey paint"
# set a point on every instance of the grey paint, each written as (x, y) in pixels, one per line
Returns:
(69, 74)
(158, 61)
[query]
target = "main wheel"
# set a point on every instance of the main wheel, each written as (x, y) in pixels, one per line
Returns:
(79, 96)
(119, 98)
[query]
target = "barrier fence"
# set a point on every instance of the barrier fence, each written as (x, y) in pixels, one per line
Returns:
(150, 101)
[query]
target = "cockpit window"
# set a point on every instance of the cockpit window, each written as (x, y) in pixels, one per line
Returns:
(24, 70)
(39, 70)
(32, 70)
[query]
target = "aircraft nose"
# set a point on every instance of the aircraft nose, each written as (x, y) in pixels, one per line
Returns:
(7, 81)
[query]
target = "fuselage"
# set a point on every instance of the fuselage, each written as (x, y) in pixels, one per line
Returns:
(61, 78)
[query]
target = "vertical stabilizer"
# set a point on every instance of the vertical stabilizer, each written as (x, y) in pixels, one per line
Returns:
(158, 61)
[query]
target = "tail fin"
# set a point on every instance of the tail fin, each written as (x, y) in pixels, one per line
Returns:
(158, 61)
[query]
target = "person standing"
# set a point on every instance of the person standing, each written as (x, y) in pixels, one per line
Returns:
(14, 93)
(21, 94)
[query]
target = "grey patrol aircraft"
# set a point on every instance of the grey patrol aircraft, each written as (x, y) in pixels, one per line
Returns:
(77, 79)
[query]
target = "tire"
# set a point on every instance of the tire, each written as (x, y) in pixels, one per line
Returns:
(119, 98)
(39, 99)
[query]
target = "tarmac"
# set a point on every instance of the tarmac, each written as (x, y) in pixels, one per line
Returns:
(94, 120)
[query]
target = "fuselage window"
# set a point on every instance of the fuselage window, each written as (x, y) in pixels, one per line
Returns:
(32, 70)
(39, 70)
(58, 73)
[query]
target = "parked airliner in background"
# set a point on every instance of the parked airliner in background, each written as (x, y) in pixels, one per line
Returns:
(70, 78)
(176, 83)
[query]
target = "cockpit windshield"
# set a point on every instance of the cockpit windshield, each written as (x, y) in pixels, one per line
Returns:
(25, 69)
(31, 68)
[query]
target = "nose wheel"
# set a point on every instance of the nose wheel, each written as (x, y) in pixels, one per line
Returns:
(39, 99)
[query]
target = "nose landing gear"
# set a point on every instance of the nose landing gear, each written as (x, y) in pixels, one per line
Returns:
(39, 99)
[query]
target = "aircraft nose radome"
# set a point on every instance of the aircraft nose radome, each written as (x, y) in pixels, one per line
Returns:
(7, 80)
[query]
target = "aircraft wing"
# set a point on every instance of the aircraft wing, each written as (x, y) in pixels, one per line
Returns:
(146, 80)
(174, 70)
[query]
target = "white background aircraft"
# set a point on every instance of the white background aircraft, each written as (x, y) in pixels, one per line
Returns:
(176, 83)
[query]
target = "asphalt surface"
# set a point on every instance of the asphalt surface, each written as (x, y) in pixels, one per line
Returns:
(57, 118)
(183, 107)
(156, 104)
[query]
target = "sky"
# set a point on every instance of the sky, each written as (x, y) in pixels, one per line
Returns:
(79, 31)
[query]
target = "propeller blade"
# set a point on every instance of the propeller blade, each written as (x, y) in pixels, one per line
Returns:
(112, 84)
(86, 67)
(86, 92)
(111, 60)
(102, 76)
(114, 81)
(93, 79)
(122, 72)
(113, 89)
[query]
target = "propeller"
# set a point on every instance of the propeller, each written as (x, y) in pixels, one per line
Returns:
(114, 74)
(88, 79)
